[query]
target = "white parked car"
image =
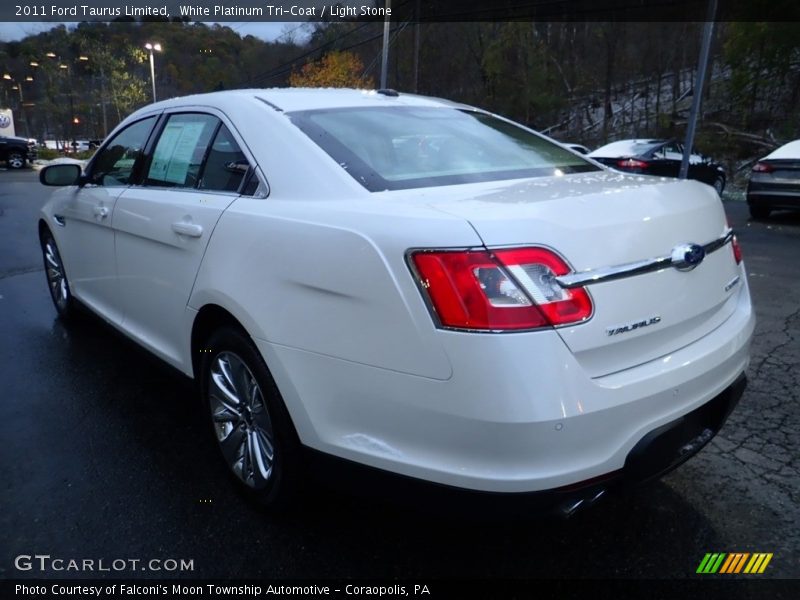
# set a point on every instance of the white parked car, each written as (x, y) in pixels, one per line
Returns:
(409, 284)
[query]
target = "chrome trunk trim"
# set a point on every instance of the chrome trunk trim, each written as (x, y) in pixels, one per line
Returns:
(574, 280)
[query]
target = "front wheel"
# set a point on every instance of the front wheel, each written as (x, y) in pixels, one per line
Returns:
(56, 277)
(15, 160)
(719, 185)
(250, 423)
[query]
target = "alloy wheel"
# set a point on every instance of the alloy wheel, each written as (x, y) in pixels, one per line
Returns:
(16, 160)
(241, 421)
(56, 279)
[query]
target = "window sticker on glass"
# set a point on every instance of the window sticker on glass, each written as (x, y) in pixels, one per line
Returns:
(180, 150)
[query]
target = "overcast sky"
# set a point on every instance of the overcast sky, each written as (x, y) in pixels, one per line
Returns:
(267, 31)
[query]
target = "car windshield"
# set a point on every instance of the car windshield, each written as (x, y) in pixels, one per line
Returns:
(410, 147)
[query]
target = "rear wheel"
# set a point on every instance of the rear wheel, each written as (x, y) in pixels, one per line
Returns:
(249, 420)
(15, 160)
(759, 212)
(56, 277)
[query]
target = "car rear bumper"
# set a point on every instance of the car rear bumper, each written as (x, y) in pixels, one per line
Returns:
(774, 198)
(519, 414)
(764, 191)
(657, 453)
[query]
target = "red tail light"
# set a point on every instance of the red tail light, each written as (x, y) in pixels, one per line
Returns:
(511, 289)
(632, 163)
(763, 168)
(737, 249)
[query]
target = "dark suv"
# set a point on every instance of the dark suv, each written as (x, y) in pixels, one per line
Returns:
(16, 152)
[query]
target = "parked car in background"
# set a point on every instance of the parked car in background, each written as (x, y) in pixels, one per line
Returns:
(80, 145)
(59, 145)
(580, 148)
(775, 182)
(659, 157)
(409, 284)
(72, 146)
(16, 152)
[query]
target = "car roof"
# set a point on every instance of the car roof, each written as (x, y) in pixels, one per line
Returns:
(790, 150)
(297, 99)
(626, 148)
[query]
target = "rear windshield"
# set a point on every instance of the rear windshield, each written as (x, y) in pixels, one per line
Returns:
(627, 148)
(400, 148)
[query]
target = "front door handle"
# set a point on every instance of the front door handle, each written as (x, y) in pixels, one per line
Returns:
(188, 229)
(100, 212)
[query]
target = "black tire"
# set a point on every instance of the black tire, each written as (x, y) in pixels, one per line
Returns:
(57, 280)
(759, 212)
(719, 185)
(244, 433)
(15, 160)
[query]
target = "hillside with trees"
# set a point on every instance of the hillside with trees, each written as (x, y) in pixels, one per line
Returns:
(586, 82)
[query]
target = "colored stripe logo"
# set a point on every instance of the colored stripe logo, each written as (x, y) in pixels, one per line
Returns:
(734, 562)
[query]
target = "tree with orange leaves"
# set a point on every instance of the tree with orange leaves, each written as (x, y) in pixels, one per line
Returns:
(335, 69)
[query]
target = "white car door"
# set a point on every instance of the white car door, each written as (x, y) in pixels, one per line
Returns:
(196, 170)
(85, 214)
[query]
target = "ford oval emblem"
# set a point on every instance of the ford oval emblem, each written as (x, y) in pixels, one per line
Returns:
(686, 257)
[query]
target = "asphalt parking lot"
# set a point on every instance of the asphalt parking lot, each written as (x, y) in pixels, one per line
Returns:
(104, 455)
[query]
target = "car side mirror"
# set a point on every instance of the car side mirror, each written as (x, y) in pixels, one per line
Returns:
(60, 175)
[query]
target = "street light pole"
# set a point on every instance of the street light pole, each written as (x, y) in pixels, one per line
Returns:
(151, 48)
(23, 113)
(103, 100)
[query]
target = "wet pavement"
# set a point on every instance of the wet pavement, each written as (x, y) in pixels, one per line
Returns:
(105, 455)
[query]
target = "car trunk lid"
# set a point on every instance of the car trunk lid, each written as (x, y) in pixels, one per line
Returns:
(601, 220)
(784, 173)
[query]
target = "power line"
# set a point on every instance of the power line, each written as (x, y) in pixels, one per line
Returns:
(397, 32)
(350, 47)
(273, 72)
(281, 69)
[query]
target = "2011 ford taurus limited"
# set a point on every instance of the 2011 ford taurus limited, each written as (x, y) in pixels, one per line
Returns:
(409, 284)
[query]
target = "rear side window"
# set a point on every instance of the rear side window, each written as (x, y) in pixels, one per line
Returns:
(226, 164)
(409, 147)
(115, 163)
(180, 151)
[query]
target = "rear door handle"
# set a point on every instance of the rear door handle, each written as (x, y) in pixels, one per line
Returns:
(100, 211)
(188, 229)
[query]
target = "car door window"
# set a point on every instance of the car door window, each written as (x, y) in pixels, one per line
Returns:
(178, 156)
(115, 163)
(226, 165)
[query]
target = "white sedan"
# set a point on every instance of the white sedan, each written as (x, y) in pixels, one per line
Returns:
(409, 284)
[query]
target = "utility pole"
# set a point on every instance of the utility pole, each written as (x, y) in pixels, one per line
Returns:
(697, 94)
(416, 47)
(385, 53)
